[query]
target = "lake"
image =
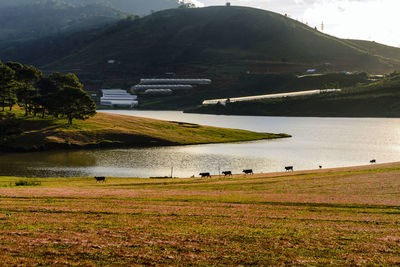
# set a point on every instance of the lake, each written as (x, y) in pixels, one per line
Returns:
(330, 142)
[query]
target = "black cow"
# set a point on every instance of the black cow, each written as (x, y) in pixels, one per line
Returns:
(227, 173)
(100, 178)
(205, 174)
(248, 171)
(289, 168)
(373, 161)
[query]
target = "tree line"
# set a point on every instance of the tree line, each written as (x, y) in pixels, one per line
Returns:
(56, 95)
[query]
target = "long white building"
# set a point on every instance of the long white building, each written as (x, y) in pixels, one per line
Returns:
(175, 81)
(223, 101)
(164, 87)
(141, 88)
(158, 92)
(118, 98)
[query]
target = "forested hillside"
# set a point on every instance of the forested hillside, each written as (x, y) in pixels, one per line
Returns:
(140, 7)
(27, 20)
(377, 48)
(48, 18)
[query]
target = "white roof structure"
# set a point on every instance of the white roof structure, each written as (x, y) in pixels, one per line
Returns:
(158, 92)
(175, 81)
(258, 97)
(141, 87)
(118, 98)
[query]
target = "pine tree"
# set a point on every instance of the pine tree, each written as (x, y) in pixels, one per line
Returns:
(77, 104)
(8, 87)
(27, 77)
(63, 95)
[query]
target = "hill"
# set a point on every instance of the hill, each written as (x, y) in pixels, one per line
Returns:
(41, 19)
(187, 40)
(378, 99)
(140, 7)
(108, 130)
(377, 49)
(26, 20)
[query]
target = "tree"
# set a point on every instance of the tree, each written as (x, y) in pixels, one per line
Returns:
(76, 104)
(8, 87)
(57, 94)
(27, 77)
(184, 4)
(45, 100)
(50, 89)
(63, 95)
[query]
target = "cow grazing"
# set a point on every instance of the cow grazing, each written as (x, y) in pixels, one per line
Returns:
(227, 173)
(289, 168)
(205, 174)
(248, 171)
(100, 178)
(373, 161)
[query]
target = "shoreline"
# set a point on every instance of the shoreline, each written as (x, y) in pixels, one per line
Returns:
(315, 171)
(290, 115)
(356, 168)
(280, 115)
(61, 147)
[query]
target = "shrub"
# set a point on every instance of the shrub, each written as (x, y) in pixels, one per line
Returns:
(27, 183)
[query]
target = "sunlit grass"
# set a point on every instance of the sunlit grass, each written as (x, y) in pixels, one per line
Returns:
(109, 130)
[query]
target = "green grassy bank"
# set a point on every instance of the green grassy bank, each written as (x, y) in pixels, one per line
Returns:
(108, 130)
(337, 217)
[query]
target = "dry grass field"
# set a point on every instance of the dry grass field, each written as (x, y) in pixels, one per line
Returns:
(344, 216)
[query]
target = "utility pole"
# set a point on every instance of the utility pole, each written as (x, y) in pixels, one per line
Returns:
(322, 27)
(172, 171)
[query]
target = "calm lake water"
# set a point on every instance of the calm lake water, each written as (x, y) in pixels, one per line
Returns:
(330, 142)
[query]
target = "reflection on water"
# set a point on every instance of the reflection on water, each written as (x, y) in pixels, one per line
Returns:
(78, 158)
(330, 142)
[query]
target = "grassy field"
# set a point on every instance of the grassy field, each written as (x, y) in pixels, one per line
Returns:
(345, 216)
(109, 130)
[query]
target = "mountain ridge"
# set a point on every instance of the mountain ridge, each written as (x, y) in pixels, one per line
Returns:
(204, 41)
(44, 19)
(140, 7)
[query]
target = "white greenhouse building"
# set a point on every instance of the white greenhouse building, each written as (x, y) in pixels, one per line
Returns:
(223, 101)
(175, 81)
(118, 98)
(158, 92)
(172, 87)
(164, 87)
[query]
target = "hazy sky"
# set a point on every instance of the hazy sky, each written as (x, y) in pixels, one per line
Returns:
(373, 20)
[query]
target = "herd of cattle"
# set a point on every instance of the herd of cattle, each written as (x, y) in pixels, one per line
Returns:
(250, 171)
(246, 171)
(225, 173)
